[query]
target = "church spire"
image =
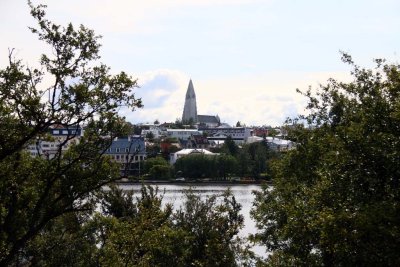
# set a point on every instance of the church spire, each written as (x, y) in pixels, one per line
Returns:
(190, 91)
(190, 108)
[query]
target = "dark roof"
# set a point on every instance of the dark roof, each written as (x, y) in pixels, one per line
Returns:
(207, 119)
(200, 139)
(183, 142)
(133, 144)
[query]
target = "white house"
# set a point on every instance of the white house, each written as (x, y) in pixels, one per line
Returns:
(274, 143)
(154, 129)
(61, 138)
(188, 151)
(182, 133)
(279, 144)
(238, 134)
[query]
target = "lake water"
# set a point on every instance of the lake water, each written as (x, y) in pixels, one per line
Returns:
(174, 194)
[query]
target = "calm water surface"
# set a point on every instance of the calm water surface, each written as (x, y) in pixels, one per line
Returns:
(174, 194)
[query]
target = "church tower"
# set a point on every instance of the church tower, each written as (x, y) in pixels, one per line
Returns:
(190, 108)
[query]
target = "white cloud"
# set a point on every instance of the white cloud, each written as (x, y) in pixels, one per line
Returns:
(265, 99)
(275, 49)
(162, 92)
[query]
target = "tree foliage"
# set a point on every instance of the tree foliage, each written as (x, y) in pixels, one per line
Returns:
(196, 166)
(150, 162)
(56, 211)
(335, 200)
(254, 159)
(157, 168)
(230, 147)
(142, 231)
(203, 232)
(150, 136)
(206, 166)
(35, 191)
(211, 229)
(250, 160)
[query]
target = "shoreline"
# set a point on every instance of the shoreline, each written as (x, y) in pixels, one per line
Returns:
(194, 182)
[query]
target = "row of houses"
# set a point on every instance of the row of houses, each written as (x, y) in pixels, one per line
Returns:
(216, 136)
(130, 151)
(238, 134)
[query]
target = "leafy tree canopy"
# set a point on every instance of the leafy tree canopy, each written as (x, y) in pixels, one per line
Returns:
(230, 147)
(34, 191)
(141, 231)
(150, 162)
(335, 200)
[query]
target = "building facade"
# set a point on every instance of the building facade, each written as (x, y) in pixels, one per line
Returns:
(238, 134)
(61, 138)
(129, 152)
(182, 133)
(208, 121)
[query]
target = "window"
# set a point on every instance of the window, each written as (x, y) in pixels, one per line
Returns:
(56, 132)
(117, 149)
(65, 131)
(126, 149)
(117, 157)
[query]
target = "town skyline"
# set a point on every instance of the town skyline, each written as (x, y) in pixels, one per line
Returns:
(246, 58)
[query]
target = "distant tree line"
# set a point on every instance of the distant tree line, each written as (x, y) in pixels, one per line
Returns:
(250, 160)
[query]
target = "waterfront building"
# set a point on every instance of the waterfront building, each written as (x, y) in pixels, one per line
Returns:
(129, 152)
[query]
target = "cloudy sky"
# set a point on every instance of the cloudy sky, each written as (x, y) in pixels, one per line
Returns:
(246, 57)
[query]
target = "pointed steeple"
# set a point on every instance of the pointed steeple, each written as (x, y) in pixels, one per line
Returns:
(190, 91)
(190, 108)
